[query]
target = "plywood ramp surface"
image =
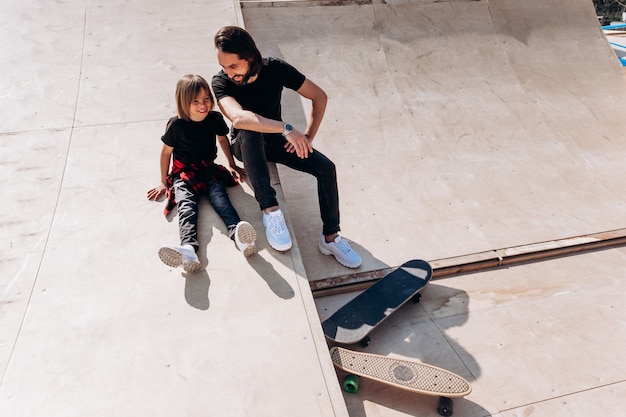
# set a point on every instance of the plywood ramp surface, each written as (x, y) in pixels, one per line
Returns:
(91, 322)
(457, 127)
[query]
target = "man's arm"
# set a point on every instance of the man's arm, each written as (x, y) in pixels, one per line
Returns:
(318, 99)
(247, 120)
(297, 142)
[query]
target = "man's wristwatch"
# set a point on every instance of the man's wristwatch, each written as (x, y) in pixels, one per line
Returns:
(287, 129)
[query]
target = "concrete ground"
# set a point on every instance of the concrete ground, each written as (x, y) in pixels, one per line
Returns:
(463, 131)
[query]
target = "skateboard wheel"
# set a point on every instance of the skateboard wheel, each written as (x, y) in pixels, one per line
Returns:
(351, 384)
(416, 299)
(444, 407)
(365, 342)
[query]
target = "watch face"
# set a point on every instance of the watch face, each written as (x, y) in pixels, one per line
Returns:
(287, 129)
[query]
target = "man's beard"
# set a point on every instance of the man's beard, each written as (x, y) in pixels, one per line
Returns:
(244, 80)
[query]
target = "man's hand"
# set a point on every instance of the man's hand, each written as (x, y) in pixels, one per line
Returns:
(299, 143)
(240, 174)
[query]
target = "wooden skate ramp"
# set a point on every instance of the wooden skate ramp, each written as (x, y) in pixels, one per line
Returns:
(457, 127)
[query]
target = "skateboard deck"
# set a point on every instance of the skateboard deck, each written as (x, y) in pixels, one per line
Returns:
(409, 375)
(354, 321)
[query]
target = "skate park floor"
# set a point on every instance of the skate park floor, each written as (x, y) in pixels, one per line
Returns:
(483, 136)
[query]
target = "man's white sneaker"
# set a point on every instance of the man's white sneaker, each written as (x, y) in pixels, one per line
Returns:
(176, 256)
(341, 250)
(245, 235)
(276, 230)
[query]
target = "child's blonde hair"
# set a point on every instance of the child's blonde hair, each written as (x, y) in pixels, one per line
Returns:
(187, 89)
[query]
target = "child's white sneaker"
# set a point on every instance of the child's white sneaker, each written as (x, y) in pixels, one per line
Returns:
(276, 230)
(341, 250)
(176, 256)
(245, 237)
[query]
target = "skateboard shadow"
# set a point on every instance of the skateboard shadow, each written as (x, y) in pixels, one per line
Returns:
(403, 402)
(419, 331)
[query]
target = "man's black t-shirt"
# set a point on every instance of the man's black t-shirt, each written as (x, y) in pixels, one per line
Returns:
(263, 95)
(195, 141)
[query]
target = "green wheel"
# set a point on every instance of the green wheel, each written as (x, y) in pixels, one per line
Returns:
(351, 384)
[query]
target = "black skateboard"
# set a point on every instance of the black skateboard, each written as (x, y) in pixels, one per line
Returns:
(354, 321)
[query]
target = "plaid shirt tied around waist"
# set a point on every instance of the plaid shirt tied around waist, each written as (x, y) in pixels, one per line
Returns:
(196, 175)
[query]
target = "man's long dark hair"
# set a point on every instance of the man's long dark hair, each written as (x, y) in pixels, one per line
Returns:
(235, 40)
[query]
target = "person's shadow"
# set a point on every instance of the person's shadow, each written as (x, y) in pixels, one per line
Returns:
(272, 278)
(197, 289)
(248, 209)
(197, 285)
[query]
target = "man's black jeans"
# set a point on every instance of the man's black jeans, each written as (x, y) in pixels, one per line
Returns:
(255, 150)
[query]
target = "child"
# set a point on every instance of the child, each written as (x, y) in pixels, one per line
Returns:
(190, 139)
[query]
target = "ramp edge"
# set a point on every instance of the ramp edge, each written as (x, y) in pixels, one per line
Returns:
(492, 259)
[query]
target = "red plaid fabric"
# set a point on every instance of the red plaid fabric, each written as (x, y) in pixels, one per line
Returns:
(195, 175)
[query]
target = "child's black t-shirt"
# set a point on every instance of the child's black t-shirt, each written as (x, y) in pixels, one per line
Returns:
(195, 141)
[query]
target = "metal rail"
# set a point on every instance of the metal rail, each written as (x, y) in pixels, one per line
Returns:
(493, 259)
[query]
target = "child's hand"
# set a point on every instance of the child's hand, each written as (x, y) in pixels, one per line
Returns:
(157, 192)
(240, 174)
